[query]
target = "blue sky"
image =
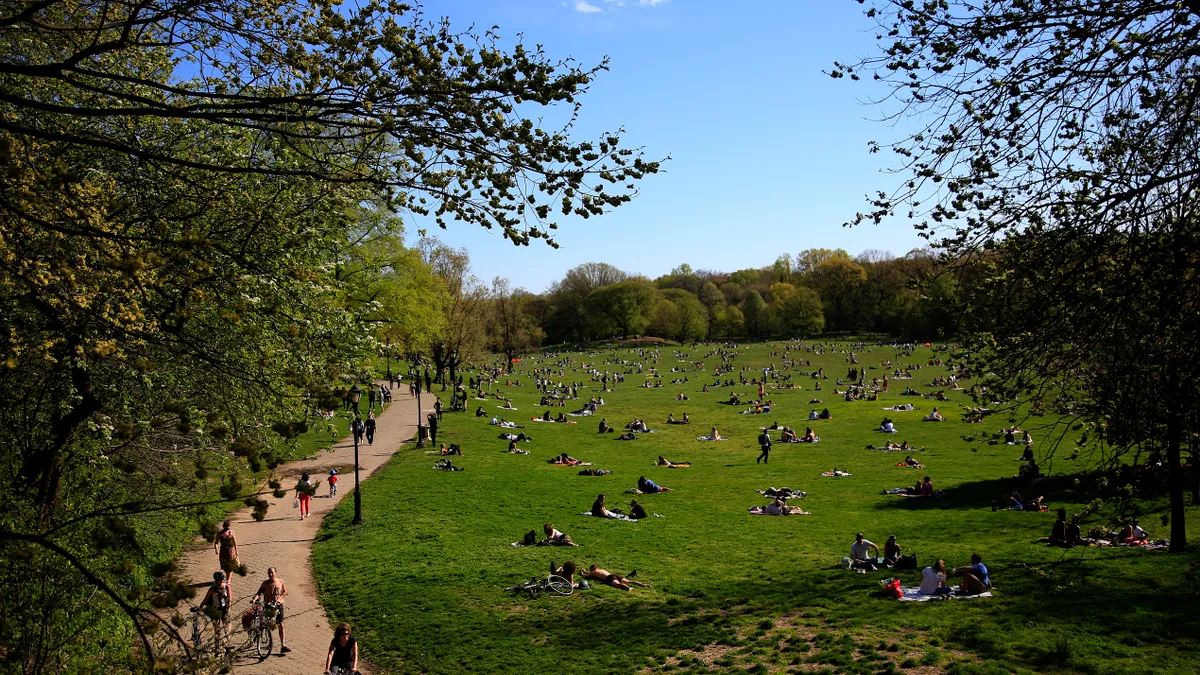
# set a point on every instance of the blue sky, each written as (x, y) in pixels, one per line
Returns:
(769, 154)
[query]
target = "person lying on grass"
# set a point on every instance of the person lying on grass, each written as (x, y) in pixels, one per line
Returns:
(649, 487)
(614, 580)
(555, 538)
(778, 508)
(595, 472)
(975, 579)
(627, 436)
(663, 461)
(566, 460)
(912, 463)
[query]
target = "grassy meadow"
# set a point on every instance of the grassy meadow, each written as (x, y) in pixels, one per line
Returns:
(422, 582)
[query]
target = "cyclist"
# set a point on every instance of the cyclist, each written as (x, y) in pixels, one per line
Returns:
(343, 651)
(273, 591)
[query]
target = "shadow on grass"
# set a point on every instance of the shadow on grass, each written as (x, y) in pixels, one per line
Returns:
(982, 494)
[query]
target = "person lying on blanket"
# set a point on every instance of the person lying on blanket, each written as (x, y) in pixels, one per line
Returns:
(777, 508)
(566, 460)
(650, 487)
(663, 461)
(614, 580)
(933, 580)
(555, 538)
(975, 579)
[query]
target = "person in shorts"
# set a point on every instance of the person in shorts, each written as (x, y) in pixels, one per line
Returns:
(272, 591)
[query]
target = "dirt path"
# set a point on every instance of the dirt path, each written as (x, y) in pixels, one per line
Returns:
(285, 542)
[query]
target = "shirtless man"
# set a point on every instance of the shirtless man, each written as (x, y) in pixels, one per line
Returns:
(614, 580)
(273, 590)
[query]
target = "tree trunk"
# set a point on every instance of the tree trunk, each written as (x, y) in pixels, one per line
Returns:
(1175, 484)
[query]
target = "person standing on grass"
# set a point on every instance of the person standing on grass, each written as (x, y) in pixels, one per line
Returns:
(764, 442)
(432, 418)
(343, 651)
(437, 407)
(273, 591)
(369, 428)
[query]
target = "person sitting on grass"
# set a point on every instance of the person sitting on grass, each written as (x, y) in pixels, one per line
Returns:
(454, 449)
(599, 510)
(1027, 455)
(975, 579)
(810, 436)
(925, 488)
(636, 510)
(1133, 533)
(686, 419)
(1029, 470)
(649, 487)
(814, 415)
(670, 418)
(514, 450)
(1058, 531)
(933, 580)
(614, 580)
(825, 414)
(715, 435)
(887, 427)
(891, 551)
(567, 571)
(858, 552)
(604, 428)
(479, 412)
(788, 436)
(935, 416)
(555, 538)
(663, 461)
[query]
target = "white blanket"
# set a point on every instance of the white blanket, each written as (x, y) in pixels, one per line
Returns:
(913, 594)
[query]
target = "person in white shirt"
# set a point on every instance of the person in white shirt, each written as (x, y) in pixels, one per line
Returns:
(933, 580)
(858, 550)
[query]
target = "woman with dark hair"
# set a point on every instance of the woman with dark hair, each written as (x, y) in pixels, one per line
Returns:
(343, 651)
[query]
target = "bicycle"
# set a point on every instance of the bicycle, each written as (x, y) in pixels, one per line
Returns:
(535, 586)
(259, 629)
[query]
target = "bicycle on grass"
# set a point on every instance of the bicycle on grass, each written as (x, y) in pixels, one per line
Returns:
(535, 586)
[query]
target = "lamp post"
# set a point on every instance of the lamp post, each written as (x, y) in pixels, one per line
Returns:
(355, 396)
(417, 388)
(389, 361)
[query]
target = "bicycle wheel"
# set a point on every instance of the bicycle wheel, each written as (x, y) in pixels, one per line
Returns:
(263, 640)
(559, 585)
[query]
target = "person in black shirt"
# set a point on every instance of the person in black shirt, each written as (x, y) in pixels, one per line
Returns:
(369, 428)
(764, 442)
(343, 651)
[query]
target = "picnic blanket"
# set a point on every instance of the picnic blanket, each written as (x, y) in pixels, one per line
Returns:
(839, 474)
(581, 413)
(710, 438)
(503, 408)
(619, 516)
(913, 594)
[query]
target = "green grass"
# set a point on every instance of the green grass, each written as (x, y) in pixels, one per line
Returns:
(422, 582)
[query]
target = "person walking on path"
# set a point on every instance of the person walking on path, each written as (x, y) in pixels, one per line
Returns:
(369, 428)
(358, 429)
(371, 399)
(304, 490)
(225, 546)
(333, 481)
(272, 591)
(764, 442)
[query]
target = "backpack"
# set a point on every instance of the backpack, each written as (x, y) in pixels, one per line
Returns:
(906, 562)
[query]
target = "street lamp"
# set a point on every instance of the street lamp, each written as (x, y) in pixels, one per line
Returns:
(420, 428)
(389, 361)
(355, 394)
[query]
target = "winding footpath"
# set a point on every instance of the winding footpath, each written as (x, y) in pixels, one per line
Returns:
(285, 542)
